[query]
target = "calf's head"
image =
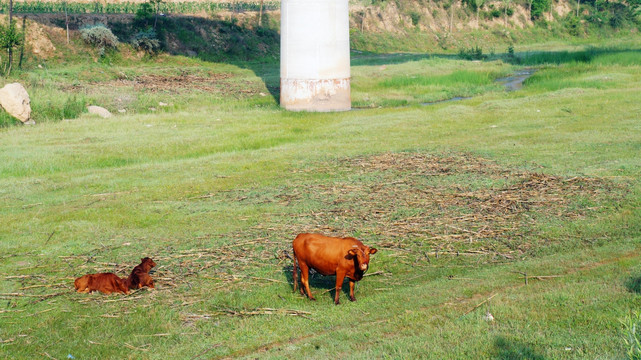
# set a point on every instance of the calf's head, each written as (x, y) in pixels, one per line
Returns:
(361, 255)
(147, 263)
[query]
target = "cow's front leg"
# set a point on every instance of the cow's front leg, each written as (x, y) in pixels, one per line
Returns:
(352, 285)
(340, 276)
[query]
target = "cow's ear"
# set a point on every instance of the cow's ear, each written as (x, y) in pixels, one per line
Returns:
(372, 251)
(142, 259)
(351, 253)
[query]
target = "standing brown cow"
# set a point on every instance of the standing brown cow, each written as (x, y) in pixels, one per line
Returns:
(330, 256)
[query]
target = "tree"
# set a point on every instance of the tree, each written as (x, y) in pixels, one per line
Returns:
(506, 6)
(539, 7)
(9, 38)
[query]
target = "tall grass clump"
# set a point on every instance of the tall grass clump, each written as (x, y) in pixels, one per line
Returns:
(56, 110)
(6, 120)
(632, 335)
(455, 78)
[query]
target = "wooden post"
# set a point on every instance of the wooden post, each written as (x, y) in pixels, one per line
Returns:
(451, 15)
(24, 40)
(67, 22)
(10, 30)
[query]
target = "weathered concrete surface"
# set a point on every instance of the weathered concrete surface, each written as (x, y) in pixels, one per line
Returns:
(315, 95)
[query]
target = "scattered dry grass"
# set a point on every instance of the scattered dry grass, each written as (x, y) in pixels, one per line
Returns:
(403, 202)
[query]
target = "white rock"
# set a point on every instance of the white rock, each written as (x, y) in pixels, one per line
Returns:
(100, 111)
(122, 111)
(15, 100)
(160, 103)
(488, 317)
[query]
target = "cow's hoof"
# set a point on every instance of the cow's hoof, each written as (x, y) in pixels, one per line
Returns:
(337, 302)
(351, 298)
(313, 299)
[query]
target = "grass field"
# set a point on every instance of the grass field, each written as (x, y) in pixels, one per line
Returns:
(464, 200)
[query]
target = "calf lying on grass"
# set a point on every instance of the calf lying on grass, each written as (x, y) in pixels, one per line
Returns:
(106, 283)
(139, 276)
(330, 256)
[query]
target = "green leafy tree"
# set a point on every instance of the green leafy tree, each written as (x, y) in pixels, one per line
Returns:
(539, 7)
(144, 15)
(10, 39)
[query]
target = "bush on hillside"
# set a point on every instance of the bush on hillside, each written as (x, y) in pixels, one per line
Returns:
(146, 41)
(573, 24)
(415, 16)
(539, 7)
(99, 36)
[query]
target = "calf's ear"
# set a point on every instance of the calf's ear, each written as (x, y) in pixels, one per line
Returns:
(351, 253)
(372, 251)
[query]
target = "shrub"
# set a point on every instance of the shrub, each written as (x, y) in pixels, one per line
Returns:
(146, 41)
(99, 36)
(473, 53)
(415, 16)
(539, 7)
(573, 25)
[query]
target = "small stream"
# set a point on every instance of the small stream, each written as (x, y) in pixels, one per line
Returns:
(513, 82)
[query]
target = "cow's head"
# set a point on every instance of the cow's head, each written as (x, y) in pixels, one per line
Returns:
(361, 255)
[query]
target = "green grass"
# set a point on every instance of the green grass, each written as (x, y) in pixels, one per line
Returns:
(543, 181)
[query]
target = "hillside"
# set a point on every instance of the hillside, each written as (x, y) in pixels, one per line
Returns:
(228, 31)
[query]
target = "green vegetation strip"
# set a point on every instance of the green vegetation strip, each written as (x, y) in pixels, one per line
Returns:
(183, 7)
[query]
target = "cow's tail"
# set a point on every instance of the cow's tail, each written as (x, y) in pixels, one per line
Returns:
(295, 271)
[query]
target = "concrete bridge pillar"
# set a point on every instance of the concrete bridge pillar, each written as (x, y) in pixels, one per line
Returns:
(314, 55)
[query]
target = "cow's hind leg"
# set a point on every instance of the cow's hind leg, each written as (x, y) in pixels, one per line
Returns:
(304, 277)
(340, 276)
(295, 274)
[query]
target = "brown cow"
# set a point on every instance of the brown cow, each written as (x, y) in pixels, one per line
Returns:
(139, 276)
(106, 283)
(330, 256)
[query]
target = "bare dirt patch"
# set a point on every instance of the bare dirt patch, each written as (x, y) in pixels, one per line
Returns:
(179, 83)
(223, 84)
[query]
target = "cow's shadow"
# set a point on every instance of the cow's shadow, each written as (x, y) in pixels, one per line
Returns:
(320, 285)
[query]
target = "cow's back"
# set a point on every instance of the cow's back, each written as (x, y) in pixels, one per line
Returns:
(322, 253)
